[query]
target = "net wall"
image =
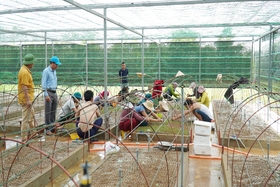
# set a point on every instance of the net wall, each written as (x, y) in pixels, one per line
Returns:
(266, 66)
(84, 64)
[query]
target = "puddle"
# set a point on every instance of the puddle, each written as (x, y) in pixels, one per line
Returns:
(205, 173)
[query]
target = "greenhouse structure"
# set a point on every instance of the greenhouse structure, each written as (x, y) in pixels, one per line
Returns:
(230, 48)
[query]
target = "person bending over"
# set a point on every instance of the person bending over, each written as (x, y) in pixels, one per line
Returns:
(200, 111)
(69, 109)
(146, 110)
(169, 91)
(129, 118)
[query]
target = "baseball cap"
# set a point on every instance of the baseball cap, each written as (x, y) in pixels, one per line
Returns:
(55, 59)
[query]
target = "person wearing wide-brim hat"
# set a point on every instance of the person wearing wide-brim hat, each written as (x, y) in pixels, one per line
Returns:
(195, 91)
(204, 98)
(26, 96)
(147, 111)
(69, 110)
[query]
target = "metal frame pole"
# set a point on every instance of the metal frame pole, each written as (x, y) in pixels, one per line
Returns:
(182, 137)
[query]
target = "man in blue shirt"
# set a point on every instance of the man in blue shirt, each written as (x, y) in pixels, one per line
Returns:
(49, 85)
(123, 74)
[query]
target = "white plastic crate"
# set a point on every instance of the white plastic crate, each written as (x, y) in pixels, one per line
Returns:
(202, 149)
(200, 139)
(203, 129)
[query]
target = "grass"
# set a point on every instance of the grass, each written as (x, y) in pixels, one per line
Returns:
(164, 129)
(69, 126)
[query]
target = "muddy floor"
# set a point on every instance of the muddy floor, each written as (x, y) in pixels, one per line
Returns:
(140, 167)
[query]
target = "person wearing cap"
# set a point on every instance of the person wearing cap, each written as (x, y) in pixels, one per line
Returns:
(204, 98)
(69, 109)
(123, 75)
(169, 91)
(49, 85)
(148, 96)
(26, 97)
(195, 91)
(90, 118)
(200, 111)
(147, 111)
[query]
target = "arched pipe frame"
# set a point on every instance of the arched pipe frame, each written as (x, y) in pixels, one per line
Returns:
(237, 110)
(66, 91)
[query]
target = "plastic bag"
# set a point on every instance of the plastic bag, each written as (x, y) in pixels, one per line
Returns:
(111, 148)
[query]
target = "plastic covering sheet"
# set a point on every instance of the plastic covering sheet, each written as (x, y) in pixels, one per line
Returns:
(33, 20)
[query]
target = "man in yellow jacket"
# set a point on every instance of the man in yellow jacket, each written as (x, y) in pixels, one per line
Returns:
(26, 96)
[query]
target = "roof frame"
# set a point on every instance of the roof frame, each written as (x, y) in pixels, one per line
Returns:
(117, 5)
(89, 8)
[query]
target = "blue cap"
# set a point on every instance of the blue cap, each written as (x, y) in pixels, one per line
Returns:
(148, 95)
(55, 59)
(78, 95)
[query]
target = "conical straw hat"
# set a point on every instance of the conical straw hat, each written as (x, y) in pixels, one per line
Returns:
(179, 73)
(140, 74)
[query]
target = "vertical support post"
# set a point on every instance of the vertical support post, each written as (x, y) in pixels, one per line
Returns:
(159, 59)
(253, 71)
(149, 139)
(105, 74)
(269, 89)
(86, 65)
(120, 173)
(137, 154)
(182, 137)
(142, 59)
(52, 48)
(20, 53)
(122, 50)
(268, 149)
(46, 50)
(259, 67)
(199, 68)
